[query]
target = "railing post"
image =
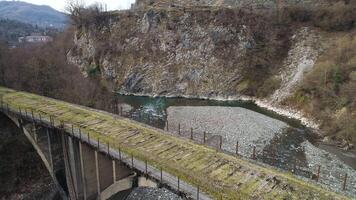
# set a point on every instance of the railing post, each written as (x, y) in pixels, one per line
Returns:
(146, 172)
(204, 139)
(237, 148)
(254, 153)
(121, 111)
(161, 176)
(178, 184)
(345, 180)
(179, 129)
(318, 174)
(167, 125)
(198, 192)
(220, 144)
(50, 121)
(132, 161)
(88, 137)
(191, 134)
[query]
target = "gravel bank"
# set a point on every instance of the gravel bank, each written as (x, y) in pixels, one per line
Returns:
(232, 123)
(254, 129)
(332, 170)
(146, 193)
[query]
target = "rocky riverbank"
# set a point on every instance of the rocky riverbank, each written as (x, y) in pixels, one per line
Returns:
(147, 193)
(291, 148)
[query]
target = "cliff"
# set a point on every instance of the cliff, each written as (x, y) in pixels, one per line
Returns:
(211, 49)
(205, 53)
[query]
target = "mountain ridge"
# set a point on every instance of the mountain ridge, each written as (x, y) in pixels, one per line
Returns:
(40, 15)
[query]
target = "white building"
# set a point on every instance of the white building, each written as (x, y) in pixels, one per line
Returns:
(35, 39)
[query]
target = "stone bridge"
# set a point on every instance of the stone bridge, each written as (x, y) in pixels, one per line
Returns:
(92, 154)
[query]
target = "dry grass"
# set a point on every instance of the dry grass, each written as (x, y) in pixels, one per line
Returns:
(328, 92)
(216, 173)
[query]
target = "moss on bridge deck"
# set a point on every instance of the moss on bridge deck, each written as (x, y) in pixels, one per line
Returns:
(217, 174)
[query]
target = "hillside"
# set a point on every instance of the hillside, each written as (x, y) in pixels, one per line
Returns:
(11, 30)
(269, 4)
(43, 16)
(230, 53)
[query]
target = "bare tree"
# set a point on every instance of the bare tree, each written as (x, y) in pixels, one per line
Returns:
(82, 15)
(75, 9)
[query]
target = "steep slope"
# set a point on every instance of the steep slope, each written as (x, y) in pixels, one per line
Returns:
(205, 53)
(215, 52)
(43, 16)
(225, 3)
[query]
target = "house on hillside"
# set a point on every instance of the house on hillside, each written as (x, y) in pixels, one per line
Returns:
(35, 39)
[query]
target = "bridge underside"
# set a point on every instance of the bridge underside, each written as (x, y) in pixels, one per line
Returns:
(78, 170)
(86, 135)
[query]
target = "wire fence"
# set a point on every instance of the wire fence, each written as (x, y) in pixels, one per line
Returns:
(270, 157)
(316, 172)
(174, 183)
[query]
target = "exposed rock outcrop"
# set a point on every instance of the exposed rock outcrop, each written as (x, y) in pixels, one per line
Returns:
(203, 53)
(206, 53)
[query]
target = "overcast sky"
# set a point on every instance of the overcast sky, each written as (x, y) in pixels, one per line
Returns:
(60, 4)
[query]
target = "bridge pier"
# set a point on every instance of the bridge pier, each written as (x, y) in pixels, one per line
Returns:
(26, 129)
(49, 148)
(80, 166)
(72, 193)
(79, 170)
(97, 174)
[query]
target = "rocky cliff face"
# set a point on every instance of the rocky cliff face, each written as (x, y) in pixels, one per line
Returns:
(202, 53)
(221, 49)
(224, 3)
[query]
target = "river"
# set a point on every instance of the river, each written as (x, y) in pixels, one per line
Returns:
(278, 141)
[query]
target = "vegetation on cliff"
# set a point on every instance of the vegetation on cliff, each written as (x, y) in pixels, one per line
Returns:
(163, 48)
(328, 92)
(43, 69)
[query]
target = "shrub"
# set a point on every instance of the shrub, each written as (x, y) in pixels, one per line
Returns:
(337, 16)
(269, 86)
(329, 89)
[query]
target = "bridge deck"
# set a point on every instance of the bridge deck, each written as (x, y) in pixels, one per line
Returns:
(217, 174)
